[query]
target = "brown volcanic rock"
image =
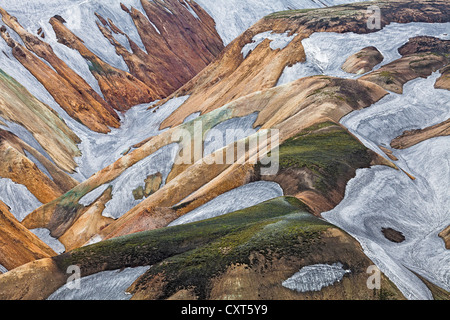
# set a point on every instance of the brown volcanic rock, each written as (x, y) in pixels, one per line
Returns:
(424, 44)
(120, 89)
(305, 102)
(88, 225)
(193, 40)
(17, 167)
(181, 47)
(33, 281)
(64, 94)
(98, 107)
(19, 106)
(231, 76)
(363, 61)
(413, 137)
(61, 181)
(173, 57)
(394, 75)
(18, 245)
(421, 56)
(444, 80)
(445, 235)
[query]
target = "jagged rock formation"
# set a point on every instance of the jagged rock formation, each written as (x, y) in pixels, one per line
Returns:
(15, 165)
(413, 137)
(121, 89)
(18, 245)
(180, 47)
(79, 99)
(363, 61)
(178, 44)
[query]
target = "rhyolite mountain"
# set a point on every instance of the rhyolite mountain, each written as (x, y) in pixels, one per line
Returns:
(91, 174)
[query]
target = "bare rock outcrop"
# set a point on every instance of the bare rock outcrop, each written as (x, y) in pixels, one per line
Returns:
(18, 245)
(363, 61)
(413, 137)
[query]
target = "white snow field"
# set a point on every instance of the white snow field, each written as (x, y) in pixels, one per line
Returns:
(107, 285)
(316, 277)
(277, 41)
(18, 198)
(382, 197)
(44, 235)
(237, 199)
(326, 52)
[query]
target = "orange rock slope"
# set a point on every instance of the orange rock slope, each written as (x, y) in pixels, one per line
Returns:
(306, 102)
(18, 245)
(231, 76)
(182, 47)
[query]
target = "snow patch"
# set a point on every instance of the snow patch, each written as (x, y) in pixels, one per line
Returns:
(237, 199)
(123, 199)
(20, 200)
(45, 236)
(316, 277)
(107, 285)
(278, 41)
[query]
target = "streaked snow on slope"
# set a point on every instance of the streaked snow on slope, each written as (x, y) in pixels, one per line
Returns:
(21, 201)
(420, 106)
(237, 199)
(277, 41)
(316, 277)
(3, 269)
(80, 19)
(326, 52)
(92, 196)
(100, 150)
(229, 131)
(107, 285)
(131, 179)
(44, 235)
(122, 196)
(25, 136)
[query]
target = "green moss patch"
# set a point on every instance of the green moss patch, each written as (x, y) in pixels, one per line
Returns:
(190, 255)
(326, 149)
